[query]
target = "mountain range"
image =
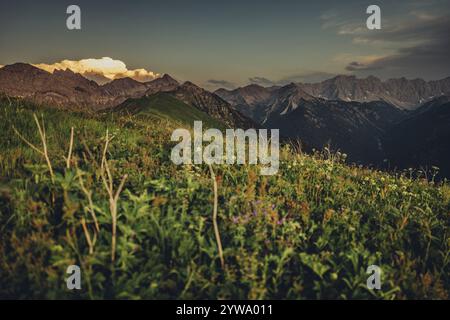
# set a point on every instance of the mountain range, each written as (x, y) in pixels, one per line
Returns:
(397, 123)
(402, 93)
(66, 89)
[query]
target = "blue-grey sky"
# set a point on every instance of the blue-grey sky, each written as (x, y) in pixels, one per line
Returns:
(233, 43)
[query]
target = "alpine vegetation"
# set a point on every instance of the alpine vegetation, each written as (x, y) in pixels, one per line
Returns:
(236, 149)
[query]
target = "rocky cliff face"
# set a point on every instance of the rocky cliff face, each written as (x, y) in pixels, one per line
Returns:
(163, 84)
(286, 100)
(211, 104)
(252, 100)
(125, 88)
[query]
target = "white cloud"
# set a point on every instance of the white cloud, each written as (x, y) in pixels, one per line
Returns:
(104, 68)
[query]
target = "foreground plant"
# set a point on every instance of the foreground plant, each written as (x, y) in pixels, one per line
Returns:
(309, 232)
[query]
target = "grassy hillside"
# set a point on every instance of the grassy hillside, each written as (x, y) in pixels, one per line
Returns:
(309, 232)
(164, 106)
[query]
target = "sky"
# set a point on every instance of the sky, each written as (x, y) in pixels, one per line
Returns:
(230, 43)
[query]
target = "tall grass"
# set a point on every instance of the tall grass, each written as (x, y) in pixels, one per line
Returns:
(309, 232)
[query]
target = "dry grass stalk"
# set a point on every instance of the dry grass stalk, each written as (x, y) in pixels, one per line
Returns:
(44, 151)
(88, 195)
(216, 226)
(88, 236)
(108, 182)
(69, 155)
(89, 152)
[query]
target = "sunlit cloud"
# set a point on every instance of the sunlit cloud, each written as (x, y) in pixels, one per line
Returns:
(100, 70)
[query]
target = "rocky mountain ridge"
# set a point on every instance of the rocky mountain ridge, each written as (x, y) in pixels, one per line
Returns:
(401, 92)
(66, 89)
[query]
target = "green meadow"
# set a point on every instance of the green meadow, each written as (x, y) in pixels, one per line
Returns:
(109, 199)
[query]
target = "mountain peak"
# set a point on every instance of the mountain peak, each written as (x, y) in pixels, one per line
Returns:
(123, 84)
(76, 78)
(165, 80)
(22, 67)
(167, 77)
(125, 88)
(294, 90)
(67, 71)
(126, 80)
(163, 84)
(189, 84)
